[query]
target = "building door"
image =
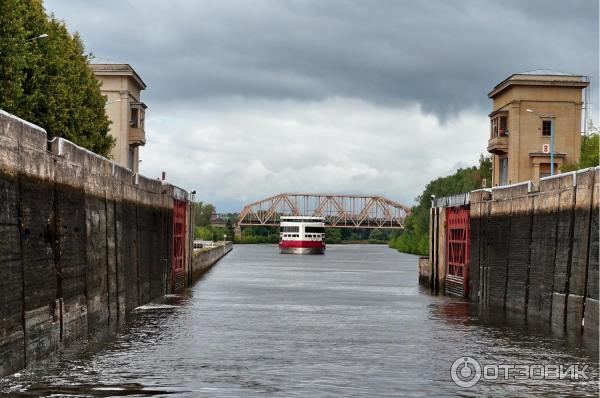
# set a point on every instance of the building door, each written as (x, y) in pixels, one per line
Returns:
(457, 250)
(545, 170)
(504, 171)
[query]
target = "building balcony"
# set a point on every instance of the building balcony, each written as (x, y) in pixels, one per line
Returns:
(498, 145)
(137, 136)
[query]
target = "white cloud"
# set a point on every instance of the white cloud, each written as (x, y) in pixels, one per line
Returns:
(233, 151)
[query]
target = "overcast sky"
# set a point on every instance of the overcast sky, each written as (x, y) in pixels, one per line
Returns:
(251, 98)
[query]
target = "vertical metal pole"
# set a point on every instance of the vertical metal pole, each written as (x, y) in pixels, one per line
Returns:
(552, 146)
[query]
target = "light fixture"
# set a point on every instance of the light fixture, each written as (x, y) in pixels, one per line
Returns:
(42, 36)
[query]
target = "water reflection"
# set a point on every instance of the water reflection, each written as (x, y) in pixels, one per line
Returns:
(350, 323)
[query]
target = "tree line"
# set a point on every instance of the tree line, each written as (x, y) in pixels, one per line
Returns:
(415, 236)
(45, 77)
(260, 234)
(203, 229)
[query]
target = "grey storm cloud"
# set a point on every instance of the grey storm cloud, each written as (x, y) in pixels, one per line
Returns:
(248, 98)
(444, 55)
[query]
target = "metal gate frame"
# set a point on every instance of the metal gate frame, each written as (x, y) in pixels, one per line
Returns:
(179, 225)
(457, 250)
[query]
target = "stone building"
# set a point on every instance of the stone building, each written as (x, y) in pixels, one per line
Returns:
(525, 105)
(121, 86)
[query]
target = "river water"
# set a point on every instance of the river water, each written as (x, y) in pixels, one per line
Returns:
(352, 322)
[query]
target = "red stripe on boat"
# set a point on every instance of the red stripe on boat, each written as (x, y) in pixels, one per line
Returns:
(301, 243)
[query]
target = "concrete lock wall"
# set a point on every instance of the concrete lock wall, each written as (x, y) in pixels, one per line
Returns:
(535, 250)
(532, 249)
(204, 259)
(83, 242)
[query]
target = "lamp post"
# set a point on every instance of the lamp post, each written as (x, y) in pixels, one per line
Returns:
(552, 119)
(42, 36)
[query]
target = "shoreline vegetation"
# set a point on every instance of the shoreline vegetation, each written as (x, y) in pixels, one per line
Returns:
(345, 242)
(257, 235)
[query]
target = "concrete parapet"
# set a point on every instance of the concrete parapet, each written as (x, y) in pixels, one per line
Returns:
(204, 259)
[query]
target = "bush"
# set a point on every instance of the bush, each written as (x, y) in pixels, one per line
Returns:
(590, 153)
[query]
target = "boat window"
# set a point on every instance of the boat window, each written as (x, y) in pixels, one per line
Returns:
(315, 229)
(290, 229)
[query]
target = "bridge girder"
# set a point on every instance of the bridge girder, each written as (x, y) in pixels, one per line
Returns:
(339, 211)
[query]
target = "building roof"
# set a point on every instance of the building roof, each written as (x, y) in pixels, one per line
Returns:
(545, 72)
(540, 77)
(117, 70)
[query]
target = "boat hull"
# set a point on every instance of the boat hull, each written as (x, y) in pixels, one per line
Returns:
(301, 247)
(302, 250)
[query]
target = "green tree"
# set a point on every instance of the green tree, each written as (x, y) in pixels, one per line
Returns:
(210, 232)
(48, 81)
(415, 236)
(203, 233)
(377, 236)
(333, 235)
(203, 213)
(590, 151)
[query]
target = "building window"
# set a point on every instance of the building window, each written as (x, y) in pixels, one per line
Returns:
(131, 157)
(499, 127)
(503, 171)
(134, 118)
(546, 127)
(502, 130)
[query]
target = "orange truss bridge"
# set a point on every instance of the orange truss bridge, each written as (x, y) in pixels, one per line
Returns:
(339, 211)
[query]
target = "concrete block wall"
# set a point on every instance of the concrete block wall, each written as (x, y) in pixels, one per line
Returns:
(83, 242)
(534, 250)
(204, 259)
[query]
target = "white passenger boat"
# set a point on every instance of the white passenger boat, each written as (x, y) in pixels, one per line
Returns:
(302, 235)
